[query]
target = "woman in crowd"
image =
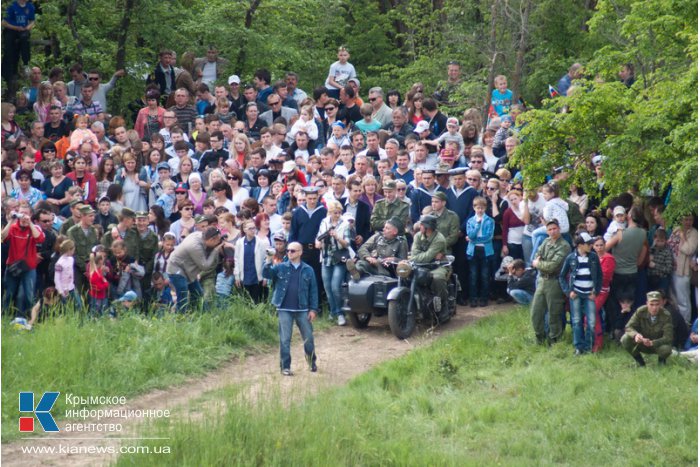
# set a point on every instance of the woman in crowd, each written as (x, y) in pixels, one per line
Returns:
(504, 182)
(10, 130)
(221, 193)
(515, 218)
(82, 178)
(250, 254)
(263, 189)
(157, 221)
(196, 194)
(185, 168)
(578, 197)
(414, 103)
(393, 99)
(9, 184)
(240, 149)
(149, 120)
(104, 175)
(214, 176)
(684, 245)
(238, 193)
(221, 110)
(369, 189)
(490, 159)
(592, 225)
(185, 225)
(56, 187)
(44, 101)
(25, 191)
(128, 178)
(334, 251)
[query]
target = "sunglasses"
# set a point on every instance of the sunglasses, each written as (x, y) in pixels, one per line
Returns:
(232, 177)
(49, 150)
(372, 99)
(472, 179)
(289, 250)
(401, 189)
(328, 109)
(93, 78)
(504, 180)
(274, 103)
(22, 148)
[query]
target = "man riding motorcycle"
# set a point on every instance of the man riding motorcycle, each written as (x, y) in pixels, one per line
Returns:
(429, 245)
(379, 250)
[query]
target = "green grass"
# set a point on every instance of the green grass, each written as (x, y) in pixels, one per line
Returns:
(486, 395)
(123, 357)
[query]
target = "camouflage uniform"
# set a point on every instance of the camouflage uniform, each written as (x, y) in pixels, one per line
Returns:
(379, 247)
(384, 210)
(424, 250)
(83, 248)
(448, 226)
(660, 331)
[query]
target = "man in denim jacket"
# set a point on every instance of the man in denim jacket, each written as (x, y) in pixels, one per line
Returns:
(296, 299)
(581, 279)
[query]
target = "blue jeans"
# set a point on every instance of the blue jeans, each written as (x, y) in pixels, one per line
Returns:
(286, 321)
(97, 306)
(20, 290)
(185, 291)
(479, 277)
(75, 297)
(521, 297)
(583, 339)
(333, 277)
(527, 250)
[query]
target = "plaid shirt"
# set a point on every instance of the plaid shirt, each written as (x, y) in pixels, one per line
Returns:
(92, 110)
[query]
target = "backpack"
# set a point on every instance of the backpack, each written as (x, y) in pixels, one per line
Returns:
(574, 215)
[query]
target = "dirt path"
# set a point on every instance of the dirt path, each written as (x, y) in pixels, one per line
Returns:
(343, 353)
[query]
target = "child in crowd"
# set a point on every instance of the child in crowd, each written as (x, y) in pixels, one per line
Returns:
(660, 263)
(451, 135)
(47, 304)
(104, 216)
(521, 282)
(99, 286)
(225, 279)
(305, 123)
(124, 303)
(167, 199)
(286, 224)
(160, 262)
(83, 134)
(581, 279)
(339, 136)
(619, 222)
(479, 229)
(501, 96)
(367, 123)
(339, 73)
(63, 273)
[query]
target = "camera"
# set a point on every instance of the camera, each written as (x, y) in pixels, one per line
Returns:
(325, 236)
(17, 215)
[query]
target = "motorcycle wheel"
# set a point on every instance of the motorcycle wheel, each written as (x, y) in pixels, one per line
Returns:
(359, 320)
(401, 324)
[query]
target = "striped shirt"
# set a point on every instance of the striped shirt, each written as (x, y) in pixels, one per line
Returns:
(583, 282)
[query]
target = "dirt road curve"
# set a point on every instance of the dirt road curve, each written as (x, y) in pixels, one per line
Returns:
(343, 353)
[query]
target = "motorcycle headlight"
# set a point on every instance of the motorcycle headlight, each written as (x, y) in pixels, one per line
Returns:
(403, 269)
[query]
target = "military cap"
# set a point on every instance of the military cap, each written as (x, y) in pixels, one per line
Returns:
(440, 195)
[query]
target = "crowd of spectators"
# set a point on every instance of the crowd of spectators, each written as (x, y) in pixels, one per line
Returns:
(214, 172)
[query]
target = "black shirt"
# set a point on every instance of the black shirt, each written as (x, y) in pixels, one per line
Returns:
(54, 134)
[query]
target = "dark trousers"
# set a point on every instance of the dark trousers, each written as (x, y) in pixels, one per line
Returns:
(624, 287)
(460, 265)
(255, 291)
(16, 47)
(312, 256)
(479, 275)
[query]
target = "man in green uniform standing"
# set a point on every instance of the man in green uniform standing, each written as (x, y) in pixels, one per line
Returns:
(429, 245)
(548, 261)
(84, 236)
(390, 206)
(148, 247)
(649, 330)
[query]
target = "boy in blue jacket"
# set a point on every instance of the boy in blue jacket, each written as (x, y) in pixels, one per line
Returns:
(479, 230)
(581, 279)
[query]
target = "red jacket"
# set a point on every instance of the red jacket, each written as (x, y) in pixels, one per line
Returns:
(89, 186)
(98, 285)
(18, 238)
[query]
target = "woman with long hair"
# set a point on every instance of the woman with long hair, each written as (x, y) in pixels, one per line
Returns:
(82, 178)
(239, 149)
(607, 265)
(44, 100)
(10, 130)
(104, 175)
(238, 193)
(221, 193)
(157, 221)
(393, 99)
(9, 184)
(414, 103)
(186, 167)
(128, 178)
(149, 171)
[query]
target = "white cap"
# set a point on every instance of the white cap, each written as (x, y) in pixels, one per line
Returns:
(288, 167)
(421, 127)
(598, 159)
(234, 79)
(357, 81)
(619, 210)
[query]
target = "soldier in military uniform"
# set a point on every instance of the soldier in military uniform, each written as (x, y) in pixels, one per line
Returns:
(447, 221)
(429, 245)
(74, 219)
(650, 330)
(374, 255)
(148, 247)
(84, 236)
(124, 230)
(549, 260)
(390, 206)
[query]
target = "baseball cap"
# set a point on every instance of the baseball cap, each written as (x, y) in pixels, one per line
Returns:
(234, 79)
(654, 296)
(452, 121)
(619, 210)
(279, 237)
(354, 80)
(180, 188)
(421, 127)
(163, 166)
(289, 167)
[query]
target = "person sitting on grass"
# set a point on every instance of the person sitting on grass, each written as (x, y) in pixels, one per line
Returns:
(48, 303)
(123, 304)
(161, 295)
(649, 330)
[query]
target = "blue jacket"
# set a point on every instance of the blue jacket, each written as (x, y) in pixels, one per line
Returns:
(568, 272)
(308, 290)
(486, 234)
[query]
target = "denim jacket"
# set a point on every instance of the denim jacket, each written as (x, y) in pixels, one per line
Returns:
(308, 289)
(568, 272)
(486, 234)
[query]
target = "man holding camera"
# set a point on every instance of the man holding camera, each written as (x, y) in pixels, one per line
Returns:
(20, 276)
